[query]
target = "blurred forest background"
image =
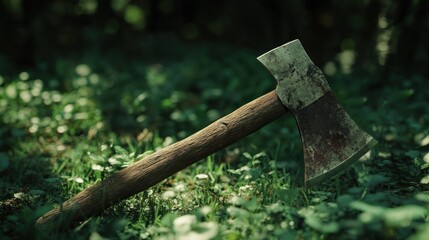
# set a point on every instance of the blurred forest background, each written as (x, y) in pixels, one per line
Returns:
(372, 35)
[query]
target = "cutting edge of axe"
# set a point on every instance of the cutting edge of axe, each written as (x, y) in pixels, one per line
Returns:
(331, 139)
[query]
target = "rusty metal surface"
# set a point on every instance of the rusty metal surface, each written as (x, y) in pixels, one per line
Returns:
(299, 81)
(331, 139)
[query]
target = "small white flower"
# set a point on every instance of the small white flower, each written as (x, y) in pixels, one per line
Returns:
(83, 70)
(62, 129)
(81, 116)
(25, 96)
(33, 128)
(205, 210)
(68, 108)
(113, 161)
(78, 179)
(202, 176)
(426, 157)
(424, 141)
(104, 147)
(61, 148)
(56, 96)
(365, 157)
(19, 195)
(168, 141)
(184, 223)
(425, 180)
(24, 76)
(97, 167)
(168, 194)
(245, 187)
(244, 168)
(180, 187)
(236, 200)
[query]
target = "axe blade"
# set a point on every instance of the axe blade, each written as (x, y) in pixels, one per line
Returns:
(331, 140)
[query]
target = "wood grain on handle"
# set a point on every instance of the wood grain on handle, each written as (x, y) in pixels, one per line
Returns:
(165, 162)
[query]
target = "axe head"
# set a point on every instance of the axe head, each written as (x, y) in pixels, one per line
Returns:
(331, 140)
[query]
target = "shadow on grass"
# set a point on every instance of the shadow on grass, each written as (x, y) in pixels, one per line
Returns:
(26, 183)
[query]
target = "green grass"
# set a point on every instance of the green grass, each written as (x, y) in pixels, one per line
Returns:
(87, 118)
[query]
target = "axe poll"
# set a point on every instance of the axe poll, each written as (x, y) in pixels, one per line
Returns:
(331, 139)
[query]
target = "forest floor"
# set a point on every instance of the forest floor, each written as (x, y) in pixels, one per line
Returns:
(67, 125)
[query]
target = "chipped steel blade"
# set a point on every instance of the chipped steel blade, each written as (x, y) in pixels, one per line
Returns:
(331, 140)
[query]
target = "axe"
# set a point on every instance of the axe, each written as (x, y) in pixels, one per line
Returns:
(331, 139)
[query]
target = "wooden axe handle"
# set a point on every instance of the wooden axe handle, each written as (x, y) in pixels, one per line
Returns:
(165, 162)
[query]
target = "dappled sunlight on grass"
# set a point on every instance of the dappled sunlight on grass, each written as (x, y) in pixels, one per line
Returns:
(62, 137)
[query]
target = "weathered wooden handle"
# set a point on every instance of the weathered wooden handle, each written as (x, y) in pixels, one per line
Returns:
(164, 163)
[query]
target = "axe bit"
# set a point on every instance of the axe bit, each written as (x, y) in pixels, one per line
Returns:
(331, 139)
